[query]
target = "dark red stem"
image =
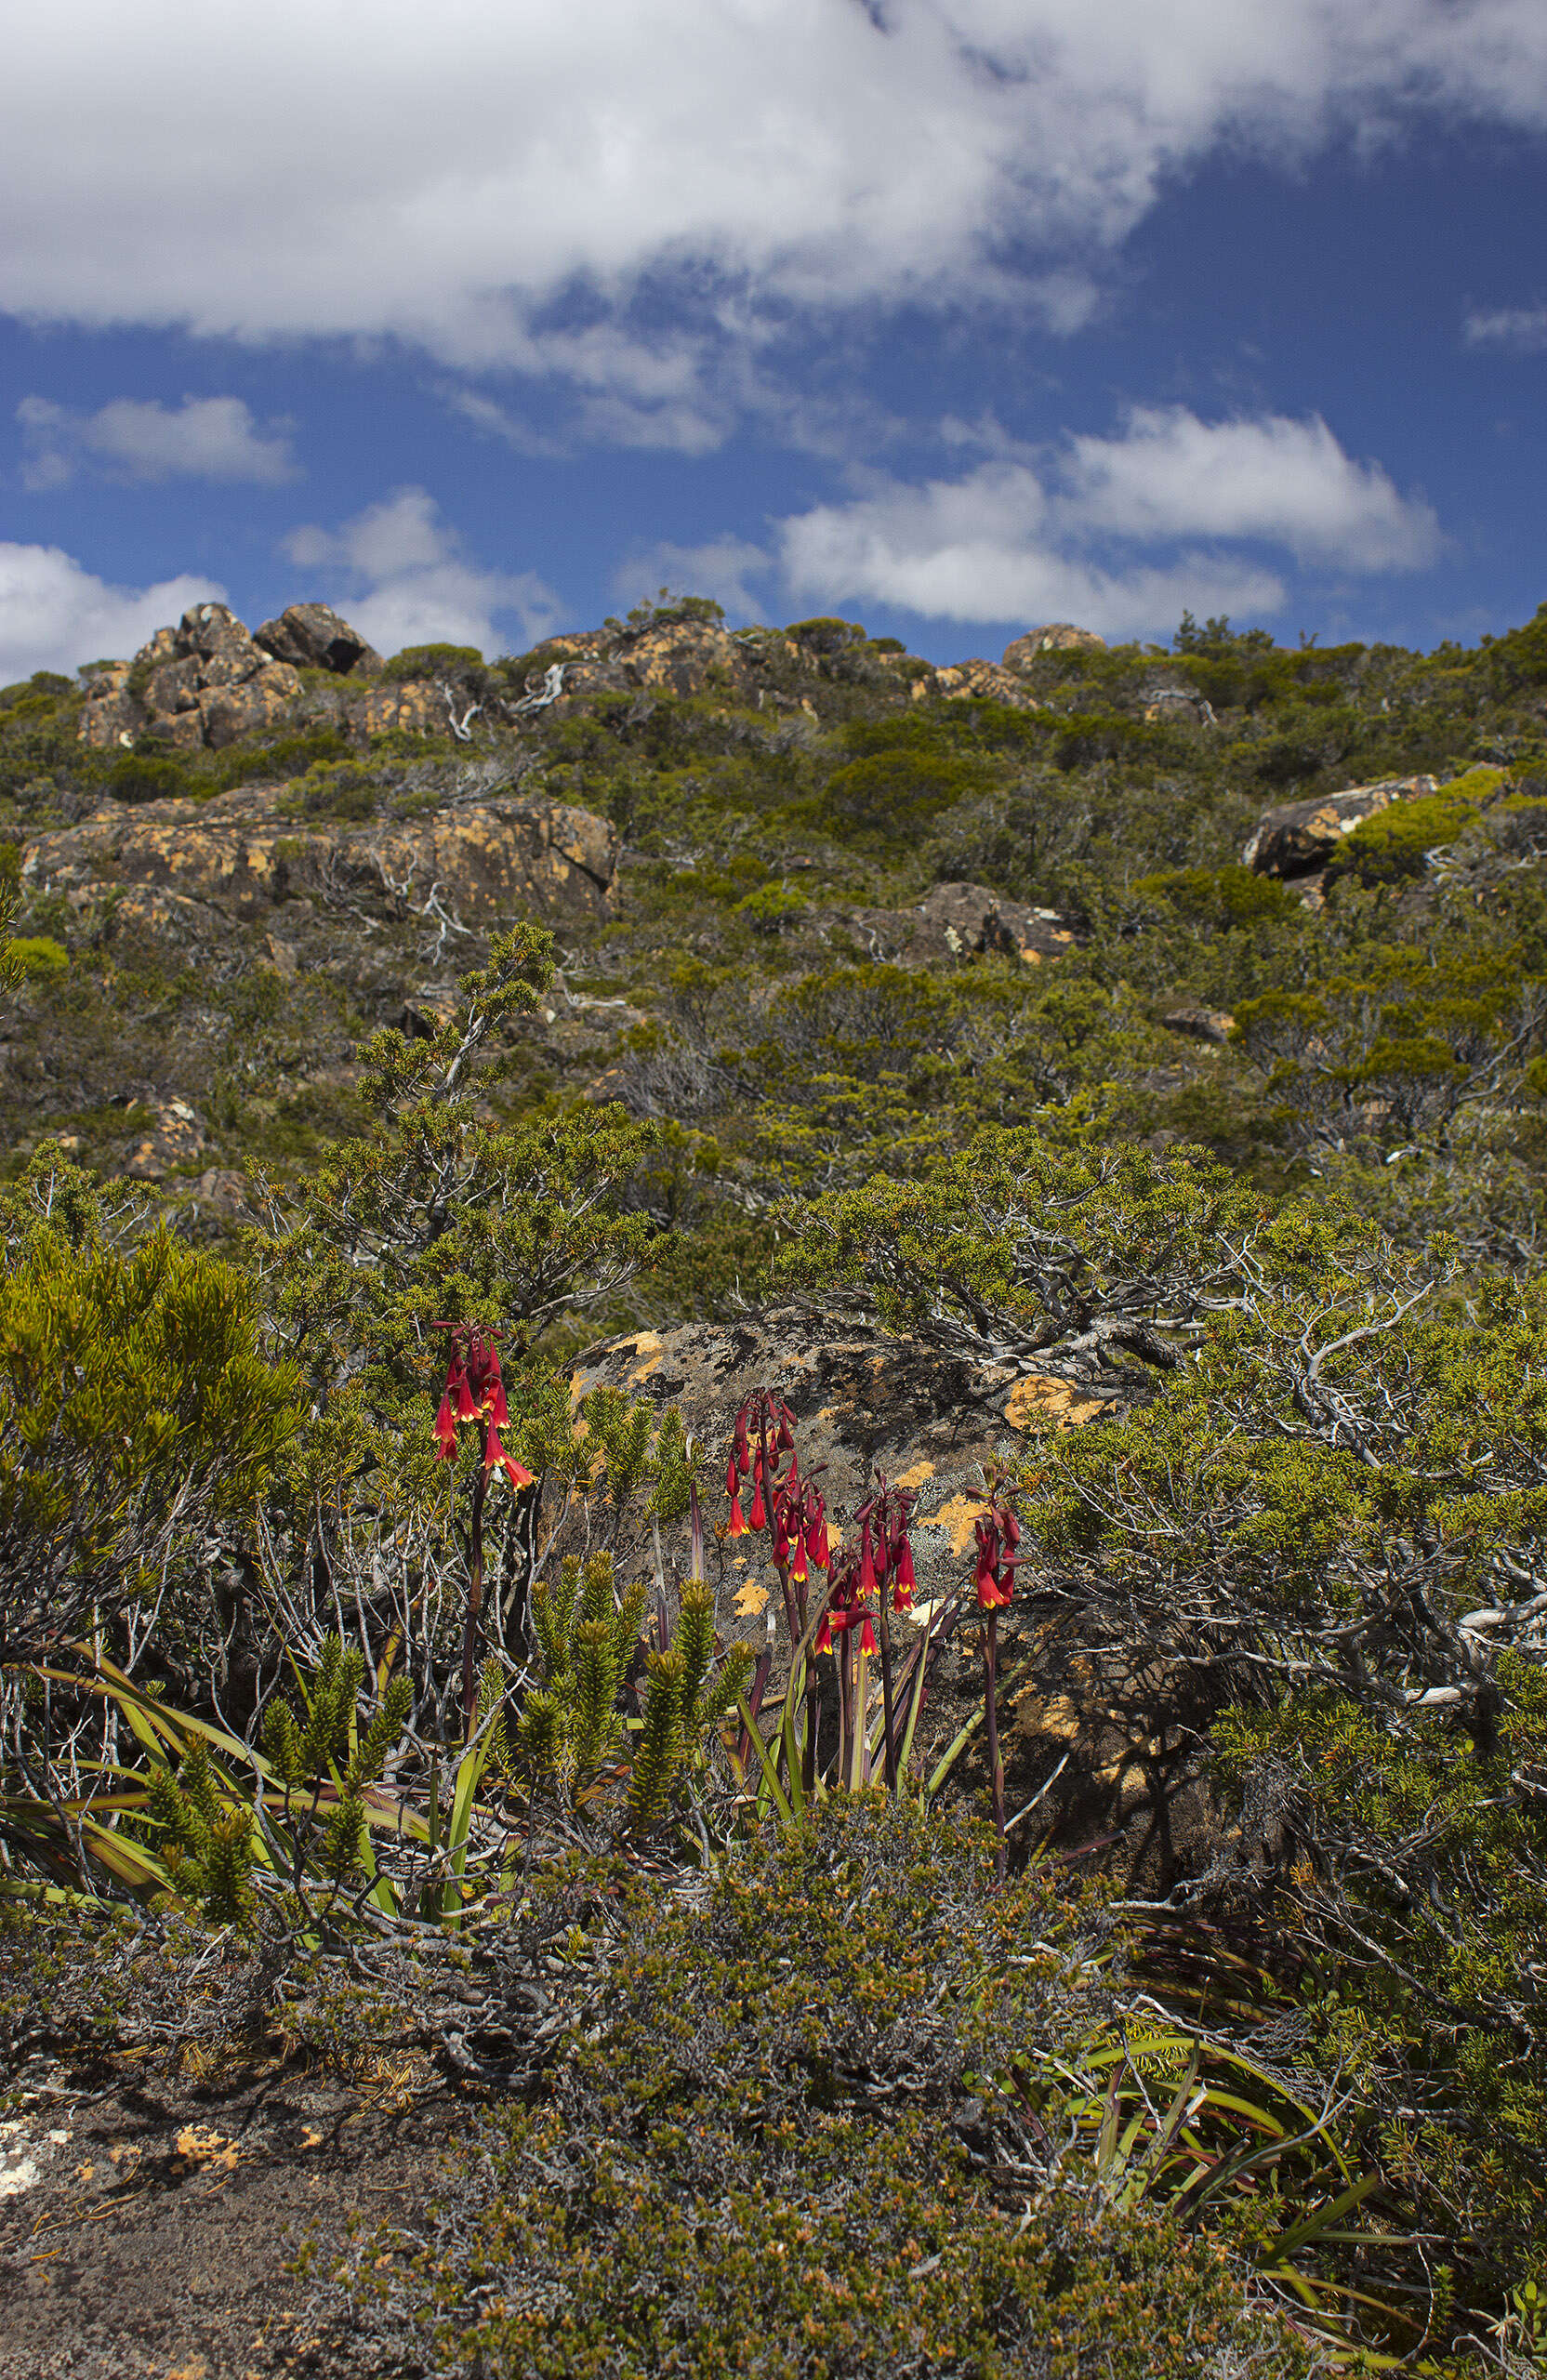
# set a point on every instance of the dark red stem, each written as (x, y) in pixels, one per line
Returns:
(994, 1763)
(886, 1695)
(473, 1625)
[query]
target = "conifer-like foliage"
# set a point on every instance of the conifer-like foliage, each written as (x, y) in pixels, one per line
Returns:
(136, 1411)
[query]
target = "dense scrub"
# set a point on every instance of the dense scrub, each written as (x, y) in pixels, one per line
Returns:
(774, 2075)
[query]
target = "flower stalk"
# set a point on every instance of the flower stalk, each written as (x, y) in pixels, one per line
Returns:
(475, 1394)
(997, 1534)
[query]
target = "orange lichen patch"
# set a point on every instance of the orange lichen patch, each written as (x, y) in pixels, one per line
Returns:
(752, 1598)
(198, 2145)
(1039, 1402)
(646, 1346)
(1057, 1716)
(957, 1517)
(916, 1477)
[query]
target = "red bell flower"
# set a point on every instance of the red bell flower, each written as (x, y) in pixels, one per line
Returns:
(998, 1535)
(474, 1392)
(494, 1454)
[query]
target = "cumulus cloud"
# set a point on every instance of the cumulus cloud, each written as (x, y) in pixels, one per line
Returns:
(1522, 327)
(1289, 482)
(206, 438)
(400, 567)
(55, 615)
(1010, 541)
(496, 155)
(720, 568)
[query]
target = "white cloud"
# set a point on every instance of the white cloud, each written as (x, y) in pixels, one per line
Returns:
(494, 154)
(400, 568)
(720, 568)
(54, 615)
(1522, 327)
(210, 438)
(1010, 542)
(1290, 482)
(979, 549)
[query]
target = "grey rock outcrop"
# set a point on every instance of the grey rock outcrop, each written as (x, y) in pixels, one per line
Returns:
(181, 868)
(977, 680)
(207, 681)
(1107, 1737)
(311, 636)
(1301, 837)
(1057, 636)
(963, 921)
(1213, 1026)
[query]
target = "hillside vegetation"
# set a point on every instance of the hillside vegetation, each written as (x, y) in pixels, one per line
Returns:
(365, 1071)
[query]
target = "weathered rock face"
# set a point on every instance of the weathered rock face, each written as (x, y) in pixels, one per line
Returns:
(686, 658)
(1058, 636)
(985, 681)
(864, 1400)
(1301, 837)
(965, 921)
(311, 636)
(206, 681)
(180, 864)
(1174, 699)
(1213, 1026)
(172, 1140)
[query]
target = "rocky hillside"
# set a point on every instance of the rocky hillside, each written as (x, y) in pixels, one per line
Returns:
(1082, 1113)
(816, 901)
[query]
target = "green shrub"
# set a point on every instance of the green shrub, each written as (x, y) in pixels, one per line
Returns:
(765, 2149)
(435, 661)
(39, 956)
(892, 792)
(135, 776)
(826, 636)
(1394, 845)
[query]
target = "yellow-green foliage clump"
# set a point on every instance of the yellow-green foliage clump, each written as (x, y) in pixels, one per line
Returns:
(135, 1410)
(1395, 843)
(39, 955)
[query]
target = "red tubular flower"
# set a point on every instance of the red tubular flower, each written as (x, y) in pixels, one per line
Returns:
(757, 1517)
(798, 1558)
(495, 1456)
(458, 1386)
(902, 1575)
(732, 1477)
(816, 1539)
(995, 1581)
(738, 1518)
(866, 1566)
(868, 1636)
(445, 1430)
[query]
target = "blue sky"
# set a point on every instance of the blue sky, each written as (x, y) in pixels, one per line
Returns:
(953, 315)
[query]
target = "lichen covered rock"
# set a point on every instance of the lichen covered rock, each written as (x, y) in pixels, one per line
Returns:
(1301, 837)
(239, 854)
